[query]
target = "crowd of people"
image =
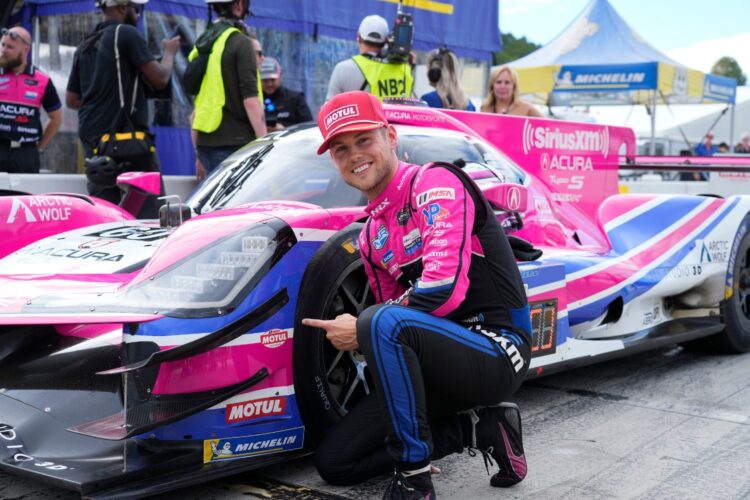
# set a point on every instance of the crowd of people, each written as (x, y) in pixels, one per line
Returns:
(237, 97)
(708, 148)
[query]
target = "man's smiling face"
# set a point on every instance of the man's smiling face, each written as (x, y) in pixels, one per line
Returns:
(366, 160)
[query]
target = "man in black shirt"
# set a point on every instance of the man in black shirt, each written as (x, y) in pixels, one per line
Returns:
(284, 106)
(92, 85)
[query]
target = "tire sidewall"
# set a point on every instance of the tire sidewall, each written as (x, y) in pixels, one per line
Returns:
(736, 335)
(317, 405)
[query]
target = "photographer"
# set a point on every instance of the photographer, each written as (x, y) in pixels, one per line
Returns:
(442, 72)
(382, 77)
(284, 107)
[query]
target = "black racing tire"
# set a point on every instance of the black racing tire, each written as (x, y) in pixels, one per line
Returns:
(326, 381)
(735, 311)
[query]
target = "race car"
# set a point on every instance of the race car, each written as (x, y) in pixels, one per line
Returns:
(141, 356)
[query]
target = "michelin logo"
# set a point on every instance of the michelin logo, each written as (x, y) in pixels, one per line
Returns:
(249, 446)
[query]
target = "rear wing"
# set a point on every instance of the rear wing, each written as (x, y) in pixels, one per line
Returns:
(739, 164)
(710, 175)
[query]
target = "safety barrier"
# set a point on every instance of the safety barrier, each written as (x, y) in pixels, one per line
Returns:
(180, 185)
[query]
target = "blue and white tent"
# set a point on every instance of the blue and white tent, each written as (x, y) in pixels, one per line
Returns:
(598, 59)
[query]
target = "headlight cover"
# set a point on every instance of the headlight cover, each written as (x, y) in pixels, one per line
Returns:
(217, 277)
(211, 282)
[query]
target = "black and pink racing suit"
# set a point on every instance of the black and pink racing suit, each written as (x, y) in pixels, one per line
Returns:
(451, 330)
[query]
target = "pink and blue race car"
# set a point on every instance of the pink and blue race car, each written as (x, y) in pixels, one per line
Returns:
(138, 357)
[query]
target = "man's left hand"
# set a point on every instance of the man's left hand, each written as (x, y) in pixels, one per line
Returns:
(342, 331)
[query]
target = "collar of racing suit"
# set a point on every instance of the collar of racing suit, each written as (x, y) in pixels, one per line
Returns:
(396, 191)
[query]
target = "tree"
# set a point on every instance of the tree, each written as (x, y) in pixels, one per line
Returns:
(513, 48)
(728, 66)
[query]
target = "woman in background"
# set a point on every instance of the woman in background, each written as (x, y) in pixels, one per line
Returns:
(442, 72)
(503, 95)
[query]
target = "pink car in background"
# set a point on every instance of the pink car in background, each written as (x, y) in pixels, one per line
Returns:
(136, 358)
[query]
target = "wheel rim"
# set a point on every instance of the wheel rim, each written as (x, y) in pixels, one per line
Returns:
(346, 373)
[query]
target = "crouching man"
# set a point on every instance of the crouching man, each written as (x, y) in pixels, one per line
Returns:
(451, 332)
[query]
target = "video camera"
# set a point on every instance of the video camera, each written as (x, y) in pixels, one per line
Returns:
(400, 39)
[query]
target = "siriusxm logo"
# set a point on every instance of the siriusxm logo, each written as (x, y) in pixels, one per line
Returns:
(543, 137)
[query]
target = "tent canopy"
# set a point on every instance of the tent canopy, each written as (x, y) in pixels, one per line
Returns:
(599, 59)
(435, 22)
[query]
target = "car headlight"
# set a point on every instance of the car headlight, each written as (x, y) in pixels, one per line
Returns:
(215, 278)
(209, 282)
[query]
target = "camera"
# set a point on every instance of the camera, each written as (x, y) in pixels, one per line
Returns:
(271, 112)
(400, 40)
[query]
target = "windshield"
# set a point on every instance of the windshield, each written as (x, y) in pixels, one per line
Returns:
(287, 167)
(423, 148)
(289, 170)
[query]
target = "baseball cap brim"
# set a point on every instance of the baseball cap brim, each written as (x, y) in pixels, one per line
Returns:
(361, 126)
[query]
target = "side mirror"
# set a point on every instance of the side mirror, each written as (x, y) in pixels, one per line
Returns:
(173, 214)
(147, 182)
(507, 197)
(136, 187)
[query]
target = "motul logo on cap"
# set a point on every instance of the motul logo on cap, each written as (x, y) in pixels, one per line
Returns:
(249, 410)
(274, 338)
(339, 114)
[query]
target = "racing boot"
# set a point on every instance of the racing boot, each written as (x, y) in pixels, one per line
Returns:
(495, 432)
(410, 485)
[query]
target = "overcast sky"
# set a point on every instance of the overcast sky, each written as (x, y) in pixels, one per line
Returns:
(693, 32)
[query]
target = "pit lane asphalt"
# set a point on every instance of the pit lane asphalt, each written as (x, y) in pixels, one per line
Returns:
(666, 424)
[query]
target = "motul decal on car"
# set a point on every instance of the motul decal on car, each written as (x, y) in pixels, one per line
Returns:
(250, 410)
(274, 338)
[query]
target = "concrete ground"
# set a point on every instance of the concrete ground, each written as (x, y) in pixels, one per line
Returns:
(667, 424)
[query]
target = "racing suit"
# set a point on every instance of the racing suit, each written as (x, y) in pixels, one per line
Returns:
(451, 332)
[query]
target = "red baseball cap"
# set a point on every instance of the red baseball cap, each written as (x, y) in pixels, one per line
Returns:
(355, 111)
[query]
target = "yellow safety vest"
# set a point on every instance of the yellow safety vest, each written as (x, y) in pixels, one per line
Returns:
(209, 103)
(386, 79)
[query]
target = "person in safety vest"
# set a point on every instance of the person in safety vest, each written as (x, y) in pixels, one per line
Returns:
(368, 71)
(24, 92)
(228, 110)
(451, 331)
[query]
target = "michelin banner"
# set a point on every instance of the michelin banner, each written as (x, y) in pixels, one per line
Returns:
(569, 85)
